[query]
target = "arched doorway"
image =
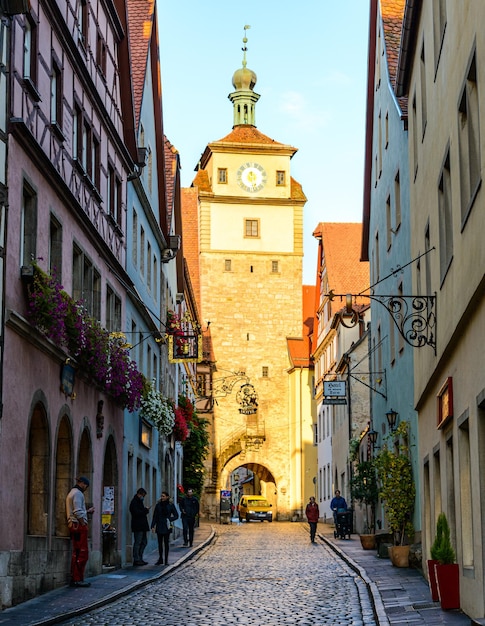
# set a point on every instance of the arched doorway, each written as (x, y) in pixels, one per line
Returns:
(111, 506)
(85, 459)
(63, 476)
(38, 473)
(85, 467)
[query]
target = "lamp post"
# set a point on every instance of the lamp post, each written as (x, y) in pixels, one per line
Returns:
(372, 435)
(392, 419)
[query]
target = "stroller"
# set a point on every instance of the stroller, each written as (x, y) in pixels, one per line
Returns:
(343, 524)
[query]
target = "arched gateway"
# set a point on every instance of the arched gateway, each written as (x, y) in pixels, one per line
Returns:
(265, 483)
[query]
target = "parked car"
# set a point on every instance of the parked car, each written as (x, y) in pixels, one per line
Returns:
(255, 508)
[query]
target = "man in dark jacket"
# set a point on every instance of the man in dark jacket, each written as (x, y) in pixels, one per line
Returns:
(189, 508)
(139, 526)
(337, 505)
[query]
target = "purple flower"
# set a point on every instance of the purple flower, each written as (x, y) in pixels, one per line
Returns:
(102, 357)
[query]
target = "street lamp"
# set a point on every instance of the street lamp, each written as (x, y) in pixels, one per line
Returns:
(392, 419)
(372, 435)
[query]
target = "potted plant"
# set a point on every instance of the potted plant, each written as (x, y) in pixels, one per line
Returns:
(446, 570)
(433, 585)
(364, 489)
(397, 491)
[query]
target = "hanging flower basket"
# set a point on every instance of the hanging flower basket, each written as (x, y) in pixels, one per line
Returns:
(101, 356)
(158, 409)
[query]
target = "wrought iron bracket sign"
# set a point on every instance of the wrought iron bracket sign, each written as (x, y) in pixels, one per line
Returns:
(414, 316)
(248, 399)
(222, 387)
(185, 348)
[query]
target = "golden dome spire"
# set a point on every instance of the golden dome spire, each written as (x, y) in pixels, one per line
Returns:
(244, 98)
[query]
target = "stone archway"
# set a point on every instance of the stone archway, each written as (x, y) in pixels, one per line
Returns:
(266, 484)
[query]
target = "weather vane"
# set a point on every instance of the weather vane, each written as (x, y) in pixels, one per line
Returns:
(245, 48)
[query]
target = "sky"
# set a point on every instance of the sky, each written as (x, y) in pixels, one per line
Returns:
(310, 58)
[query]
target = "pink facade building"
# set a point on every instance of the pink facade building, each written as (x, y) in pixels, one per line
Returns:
(71, 150)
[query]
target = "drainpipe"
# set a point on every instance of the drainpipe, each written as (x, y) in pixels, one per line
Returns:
(302, 468)
(349, 404)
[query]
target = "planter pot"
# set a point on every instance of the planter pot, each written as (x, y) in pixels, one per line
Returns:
(399, 555)
(368, 542)
(448, 579)
(433, 584)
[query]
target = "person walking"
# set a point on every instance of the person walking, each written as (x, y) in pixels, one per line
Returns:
(312, 514)
(164, 514)
(139, 526)
(189, 508)
(338, 504)
(77, 522)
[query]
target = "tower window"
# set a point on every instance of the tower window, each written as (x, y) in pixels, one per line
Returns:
(227, 265)
(280, 178)
(222, 175)
(265, 371)
(275, 267)
(251, 228)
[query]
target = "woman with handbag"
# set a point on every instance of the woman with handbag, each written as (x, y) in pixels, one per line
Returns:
(164, 514)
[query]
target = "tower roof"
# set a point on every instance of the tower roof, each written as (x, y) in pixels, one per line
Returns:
(244, 97)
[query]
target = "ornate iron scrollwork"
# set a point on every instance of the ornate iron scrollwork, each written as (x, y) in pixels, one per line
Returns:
(222, 387)
(414, 316)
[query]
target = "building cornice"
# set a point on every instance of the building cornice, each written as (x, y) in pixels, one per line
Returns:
(213, 199)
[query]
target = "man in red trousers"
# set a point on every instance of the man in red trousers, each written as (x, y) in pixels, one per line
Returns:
(77, 521)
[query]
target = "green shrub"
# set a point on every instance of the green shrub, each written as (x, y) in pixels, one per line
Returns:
(444, 552)
(364, 489)
(396, 486)
(438, 539)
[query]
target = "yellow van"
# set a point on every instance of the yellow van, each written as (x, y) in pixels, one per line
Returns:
(256, 508)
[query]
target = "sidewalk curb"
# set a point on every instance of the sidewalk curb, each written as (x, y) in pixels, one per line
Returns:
(116, 595)
(372, 589)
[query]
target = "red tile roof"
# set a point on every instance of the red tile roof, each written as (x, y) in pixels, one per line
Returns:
(245, 139)
(201, 181)
(309, 292)
(140, 24)
(190, 235)
(171, 172)
(339, 254)
(297, 190)
(299, 348)
(392, 12)
(247, 134)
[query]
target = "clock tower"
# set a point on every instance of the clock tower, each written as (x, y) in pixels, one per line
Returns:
(250, 221)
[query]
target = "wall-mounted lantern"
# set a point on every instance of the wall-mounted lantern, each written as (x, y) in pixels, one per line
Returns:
(392, 419)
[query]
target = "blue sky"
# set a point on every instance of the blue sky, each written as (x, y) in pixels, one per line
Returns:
(310, 58)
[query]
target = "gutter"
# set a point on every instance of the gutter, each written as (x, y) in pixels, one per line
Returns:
(407, 47)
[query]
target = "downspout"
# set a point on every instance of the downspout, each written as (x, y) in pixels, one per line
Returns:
(349, 404)
(302, 472)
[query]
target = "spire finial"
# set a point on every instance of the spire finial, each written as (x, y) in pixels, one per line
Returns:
(245, 48)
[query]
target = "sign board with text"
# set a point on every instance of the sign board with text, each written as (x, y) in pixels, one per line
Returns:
(335, 388)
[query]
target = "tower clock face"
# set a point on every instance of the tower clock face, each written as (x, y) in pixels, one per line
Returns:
(251, 177)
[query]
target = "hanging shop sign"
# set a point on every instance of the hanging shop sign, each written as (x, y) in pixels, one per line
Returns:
(184, 348)
(335, 392)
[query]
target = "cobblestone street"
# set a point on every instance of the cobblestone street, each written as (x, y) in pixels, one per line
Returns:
(255, 574)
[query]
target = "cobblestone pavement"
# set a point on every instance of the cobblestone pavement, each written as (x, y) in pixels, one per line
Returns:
(255, 574)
